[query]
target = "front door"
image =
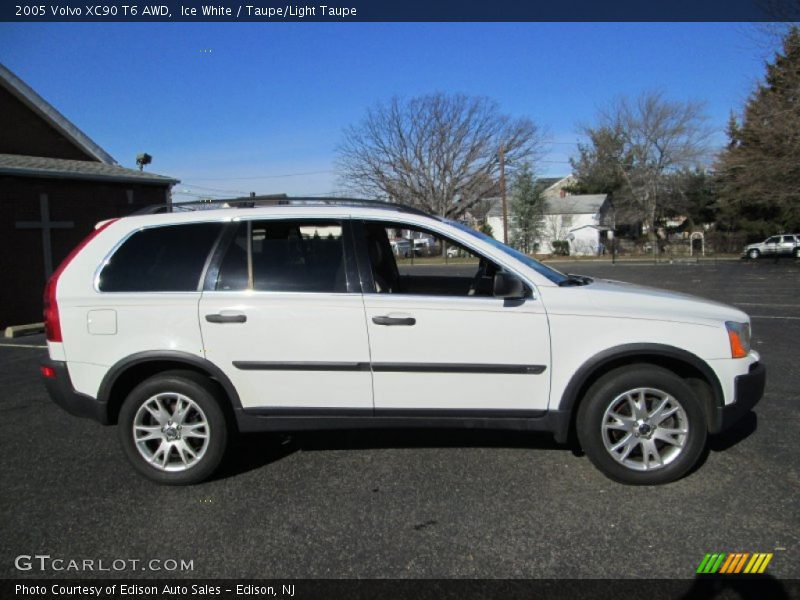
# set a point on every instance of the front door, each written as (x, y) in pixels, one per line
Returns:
(279, 318)
(771, 245)
(441, 343)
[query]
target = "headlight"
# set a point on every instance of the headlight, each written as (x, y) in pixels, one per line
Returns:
(739, 337)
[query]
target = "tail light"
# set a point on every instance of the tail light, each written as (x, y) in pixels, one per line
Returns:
(52, 322)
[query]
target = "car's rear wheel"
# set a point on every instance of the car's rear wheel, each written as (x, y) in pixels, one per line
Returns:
(753, 254)
(797, 252)
(642, 425)
(172, 428)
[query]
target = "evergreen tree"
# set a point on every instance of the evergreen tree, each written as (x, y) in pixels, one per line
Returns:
(759, 171)
(527, 210)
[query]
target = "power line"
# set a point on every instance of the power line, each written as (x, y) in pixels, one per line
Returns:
(210, 189)
(261, 176)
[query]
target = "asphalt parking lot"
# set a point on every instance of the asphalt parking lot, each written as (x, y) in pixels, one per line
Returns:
(460, 504)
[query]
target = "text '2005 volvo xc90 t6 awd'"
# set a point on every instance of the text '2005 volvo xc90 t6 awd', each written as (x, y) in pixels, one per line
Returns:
(185, 327)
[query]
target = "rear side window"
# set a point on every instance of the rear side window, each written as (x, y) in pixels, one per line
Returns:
(160, 259)
(285, 256)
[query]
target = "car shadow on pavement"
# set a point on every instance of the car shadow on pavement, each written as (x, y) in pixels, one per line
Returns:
(253, 451)
(250, 451)
(721, 442)
(740, 431)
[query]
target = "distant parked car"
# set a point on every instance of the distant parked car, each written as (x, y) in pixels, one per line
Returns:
(424, 246)
(401, 247)
(777, 245)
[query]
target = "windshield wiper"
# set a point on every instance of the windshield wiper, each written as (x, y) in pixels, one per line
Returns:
(575, 280)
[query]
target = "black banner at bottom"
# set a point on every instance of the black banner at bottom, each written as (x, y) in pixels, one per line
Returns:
(720, 587)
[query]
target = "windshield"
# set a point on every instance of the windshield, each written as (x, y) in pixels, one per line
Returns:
(551, 274)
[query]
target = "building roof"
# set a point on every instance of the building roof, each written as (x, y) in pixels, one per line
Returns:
(46, 111)
(545, 183)
(582, 204)
(60, 168)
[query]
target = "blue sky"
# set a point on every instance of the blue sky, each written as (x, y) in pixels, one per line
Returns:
(230, 108)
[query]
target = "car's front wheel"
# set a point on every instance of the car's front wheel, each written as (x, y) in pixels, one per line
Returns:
(754, 254)
(172, 428)
(642, 425)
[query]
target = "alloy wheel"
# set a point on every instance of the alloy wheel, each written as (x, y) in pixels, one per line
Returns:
(645, 429)
(171, 432)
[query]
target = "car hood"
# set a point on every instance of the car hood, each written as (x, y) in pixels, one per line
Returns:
(606, 297)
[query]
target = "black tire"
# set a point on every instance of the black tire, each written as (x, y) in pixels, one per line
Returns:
(206, 398)
(753, 254)
(797, 252)
(607, 391)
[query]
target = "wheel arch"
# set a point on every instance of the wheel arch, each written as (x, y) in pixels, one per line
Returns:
(126, 374)
(698, 374)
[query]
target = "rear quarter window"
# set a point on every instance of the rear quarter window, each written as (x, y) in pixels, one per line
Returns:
(160, 259)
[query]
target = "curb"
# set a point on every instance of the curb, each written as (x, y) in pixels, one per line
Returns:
(14, 331)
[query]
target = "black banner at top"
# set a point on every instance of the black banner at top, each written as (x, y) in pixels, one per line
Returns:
(342, 11)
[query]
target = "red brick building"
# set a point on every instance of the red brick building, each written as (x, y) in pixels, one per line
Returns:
(55, 184)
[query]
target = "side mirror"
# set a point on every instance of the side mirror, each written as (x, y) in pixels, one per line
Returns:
(507, 285)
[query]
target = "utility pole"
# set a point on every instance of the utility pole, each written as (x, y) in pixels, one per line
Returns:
(502, 155)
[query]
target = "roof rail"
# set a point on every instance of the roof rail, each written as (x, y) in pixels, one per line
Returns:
(251, 202)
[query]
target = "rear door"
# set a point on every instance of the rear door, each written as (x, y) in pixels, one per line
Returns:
(282, 315)
(787, 244)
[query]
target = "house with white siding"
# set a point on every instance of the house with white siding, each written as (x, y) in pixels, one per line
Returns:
(586, 221)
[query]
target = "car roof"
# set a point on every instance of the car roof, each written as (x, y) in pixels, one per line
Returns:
(372, 211)
(273, 201)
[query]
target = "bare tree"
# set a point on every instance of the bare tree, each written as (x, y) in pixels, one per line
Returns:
(438, 152)
(480, 211)
(655, 137)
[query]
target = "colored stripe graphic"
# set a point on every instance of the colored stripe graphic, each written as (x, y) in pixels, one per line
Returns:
(711, 563)
(735, 559)
(734, 562)
(740, 564)
(727, 564)
(703, 563)
(766, 562)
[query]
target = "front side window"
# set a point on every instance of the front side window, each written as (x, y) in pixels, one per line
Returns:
(772, 240)
(285, 256)
(405, 259)
(160, 259)
(555, 276)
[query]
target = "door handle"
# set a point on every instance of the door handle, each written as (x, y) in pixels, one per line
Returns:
(386, 320)
(219, 318)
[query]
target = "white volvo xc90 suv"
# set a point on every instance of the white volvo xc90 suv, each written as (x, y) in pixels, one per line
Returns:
(185, 327)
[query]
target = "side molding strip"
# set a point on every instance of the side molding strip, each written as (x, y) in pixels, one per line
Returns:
(246, 365)
(390, 367)
(457, 368)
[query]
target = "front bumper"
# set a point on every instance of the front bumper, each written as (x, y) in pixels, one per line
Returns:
(748, 390)
(62, 393)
